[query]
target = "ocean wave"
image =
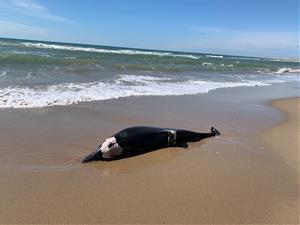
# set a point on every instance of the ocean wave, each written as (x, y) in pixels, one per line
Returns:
(284, 60)
(74, 93)
(287, 71)
(140, 79)
(215, 56)
(280, 71)
(206, 64)
(109, 51)
(3, 73)
(243, 58)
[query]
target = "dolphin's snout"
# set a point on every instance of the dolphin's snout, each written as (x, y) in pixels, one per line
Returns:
(97, 155)
(89, 158)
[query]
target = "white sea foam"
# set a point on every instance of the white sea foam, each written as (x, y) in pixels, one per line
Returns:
(3, 73)
(215, 56)
(124, 86)
(243, 58)
(140, 79)
(284, 60)
(206, 64)
(111, 51)
(281, 71)
(287, 71)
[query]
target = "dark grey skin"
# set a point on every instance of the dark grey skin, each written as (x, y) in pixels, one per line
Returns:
(138, 140)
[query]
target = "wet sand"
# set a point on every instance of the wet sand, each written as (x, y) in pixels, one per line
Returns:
(234, 178)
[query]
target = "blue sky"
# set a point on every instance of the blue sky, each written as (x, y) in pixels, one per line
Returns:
(240, 27)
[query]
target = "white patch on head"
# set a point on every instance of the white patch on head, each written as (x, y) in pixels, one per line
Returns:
(110, 148)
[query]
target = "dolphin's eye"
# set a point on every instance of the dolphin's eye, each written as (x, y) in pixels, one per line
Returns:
(110, 145)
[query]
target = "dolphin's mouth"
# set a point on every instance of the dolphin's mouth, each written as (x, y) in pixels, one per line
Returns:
(94, 156)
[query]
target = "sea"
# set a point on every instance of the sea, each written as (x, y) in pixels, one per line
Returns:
(44, 74)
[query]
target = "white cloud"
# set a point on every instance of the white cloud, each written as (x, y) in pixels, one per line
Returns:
(18, 30)
(28, 4)
(30, 8)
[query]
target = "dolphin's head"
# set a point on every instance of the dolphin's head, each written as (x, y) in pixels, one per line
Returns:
(107, 150)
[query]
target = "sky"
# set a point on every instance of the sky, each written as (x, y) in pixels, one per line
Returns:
(268, 28)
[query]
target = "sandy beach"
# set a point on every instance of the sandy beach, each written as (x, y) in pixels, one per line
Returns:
(287, 130)
(249, 174)
(283, 139)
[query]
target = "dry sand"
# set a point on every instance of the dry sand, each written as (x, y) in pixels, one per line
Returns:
(234, 178)
(284, 138)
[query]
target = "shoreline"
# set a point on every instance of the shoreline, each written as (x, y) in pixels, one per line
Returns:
(234, 178)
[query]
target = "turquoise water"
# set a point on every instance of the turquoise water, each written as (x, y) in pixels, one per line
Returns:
(38, 74)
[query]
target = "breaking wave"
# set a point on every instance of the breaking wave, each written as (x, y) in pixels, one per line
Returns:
(287, 70)
(215, 56)
(109, 51)
(123, 86)
(281, 71)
